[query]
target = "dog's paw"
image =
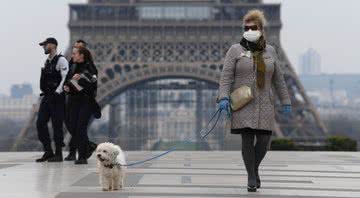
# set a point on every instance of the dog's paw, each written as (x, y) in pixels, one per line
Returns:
(105, 189)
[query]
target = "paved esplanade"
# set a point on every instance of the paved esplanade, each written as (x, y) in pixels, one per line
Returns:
(188, 174)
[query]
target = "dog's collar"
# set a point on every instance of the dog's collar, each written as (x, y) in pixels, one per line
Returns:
(112, 165)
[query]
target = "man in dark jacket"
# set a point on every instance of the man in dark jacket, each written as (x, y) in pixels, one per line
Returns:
(52, 78)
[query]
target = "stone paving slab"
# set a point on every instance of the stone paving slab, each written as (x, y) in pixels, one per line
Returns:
(187, 174)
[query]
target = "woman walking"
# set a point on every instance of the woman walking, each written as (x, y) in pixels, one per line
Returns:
(82, 87)
(254, 63)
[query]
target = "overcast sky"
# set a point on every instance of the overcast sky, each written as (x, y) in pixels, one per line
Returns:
(331, 27)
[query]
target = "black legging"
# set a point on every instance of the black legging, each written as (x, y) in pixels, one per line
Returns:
(253, 155)
(80, 112)
(67, 121)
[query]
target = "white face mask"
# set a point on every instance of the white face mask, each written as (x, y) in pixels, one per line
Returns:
(252, 36)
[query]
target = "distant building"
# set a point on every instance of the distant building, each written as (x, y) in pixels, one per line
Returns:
(337, 89)
(21, 90)
(310, 63)
(17, 109)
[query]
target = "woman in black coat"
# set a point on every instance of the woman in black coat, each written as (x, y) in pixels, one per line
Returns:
(81, 87)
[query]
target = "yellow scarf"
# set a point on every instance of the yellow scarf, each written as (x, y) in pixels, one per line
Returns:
(257, 49)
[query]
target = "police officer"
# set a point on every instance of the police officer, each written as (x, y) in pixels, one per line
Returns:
(52, 78)
(71, 104)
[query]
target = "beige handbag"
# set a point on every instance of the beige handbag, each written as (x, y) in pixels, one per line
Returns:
(242, 95)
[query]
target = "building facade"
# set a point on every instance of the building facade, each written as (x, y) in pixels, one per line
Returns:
(310, 62)
(17, 109)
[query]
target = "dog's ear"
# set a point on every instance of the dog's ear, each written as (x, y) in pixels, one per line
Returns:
(116, 150)
(116, 153)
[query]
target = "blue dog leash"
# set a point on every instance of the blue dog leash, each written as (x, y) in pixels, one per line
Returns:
(218, 112)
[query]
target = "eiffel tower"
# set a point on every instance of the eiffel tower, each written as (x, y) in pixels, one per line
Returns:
(135, 41)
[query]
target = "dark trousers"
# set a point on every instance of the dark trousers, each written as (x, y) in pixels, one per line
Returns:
(51, 106)
(80, 112)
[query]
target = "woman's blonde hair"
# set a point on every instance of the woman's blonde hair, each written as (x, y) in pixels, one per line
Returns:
(256, 16)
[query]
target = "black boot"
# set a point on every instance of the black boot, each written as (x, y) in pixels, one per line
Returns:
(81, 161)
(251, 185)
(90, 149)
(46, 156)
(251, 188)
(58, 156)
(71, 156)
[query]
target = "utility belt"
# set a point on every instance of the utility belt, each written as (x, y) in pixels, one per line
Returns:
(54, 98)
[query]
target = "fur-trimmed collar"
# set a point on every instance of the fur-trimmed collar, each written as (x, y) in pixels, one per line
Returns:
(254, 46)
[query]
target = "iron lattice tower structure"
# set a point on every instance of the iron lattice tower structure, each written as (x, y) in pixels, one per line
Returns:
(136, 41)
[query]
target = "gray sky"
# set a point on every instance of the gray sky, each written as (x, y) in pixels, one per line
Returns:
(331, 27)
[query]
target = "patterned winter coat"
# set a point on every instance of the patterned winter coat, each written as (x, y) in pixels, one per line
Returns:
(258, 113)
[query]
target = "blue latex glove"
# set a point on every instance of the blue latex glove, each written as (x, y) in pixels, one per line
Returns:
(224, 104)
(286, 109)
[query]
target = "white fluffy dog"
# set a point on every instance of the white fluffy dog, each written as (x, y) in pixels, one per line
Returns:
(110, 157)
